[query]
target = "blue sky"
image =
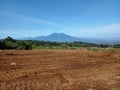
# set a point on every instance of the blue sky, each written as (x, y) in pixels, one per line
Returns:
(79, 18)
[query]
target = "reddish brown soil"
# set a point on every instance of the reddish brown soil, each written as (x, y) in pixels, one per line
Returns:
(59, 70)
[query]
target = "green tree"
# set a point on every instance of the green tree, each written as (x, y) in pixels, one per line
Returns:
(24, 45)
(117, 46)
(10, 39)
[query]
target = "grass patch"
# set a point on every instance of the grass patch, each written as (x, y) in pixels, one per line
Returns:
(116, 89)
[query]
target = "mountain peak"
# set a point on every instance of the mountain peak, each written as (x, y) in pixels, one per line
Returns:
(57, 34)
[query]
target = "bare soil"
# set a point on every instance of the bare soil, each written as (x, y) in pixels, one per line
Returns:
(59, 70)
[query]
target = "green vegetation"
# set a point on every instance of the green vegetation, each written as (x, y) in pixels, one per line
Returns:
(10, 43)
(116, 89)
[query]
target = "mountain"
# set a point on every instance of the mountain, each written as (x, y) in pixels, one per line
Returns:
(61, 37)
(57, 37)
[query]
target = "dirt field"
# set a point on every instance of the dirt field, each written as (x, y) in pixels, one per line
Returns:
(59, 70)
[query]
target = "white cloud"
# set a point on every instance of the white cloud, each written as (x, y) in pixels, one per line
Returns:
(27, 18)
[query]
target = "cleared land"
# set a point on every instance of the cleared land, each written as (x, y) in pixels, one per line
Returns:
(59, 70)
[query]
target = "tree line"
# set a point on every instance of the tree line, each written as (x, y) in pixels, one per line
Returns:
(10, 43)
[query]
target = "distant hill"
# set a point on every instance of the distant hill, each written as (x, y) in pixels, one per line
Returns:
(61, 37)
(57, 37)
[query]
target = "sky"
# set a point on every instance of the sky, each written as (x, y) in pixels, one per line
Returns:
(79, 18)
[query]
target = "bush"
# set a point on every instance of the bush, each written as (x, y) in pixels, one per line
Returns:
(24, 45)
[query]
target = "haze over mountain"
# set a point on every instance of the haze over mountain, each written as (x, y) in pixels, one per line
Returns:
(61, 37)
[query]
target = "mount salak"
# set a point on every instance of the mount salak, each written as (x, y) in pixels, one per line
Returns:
(61, 37)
